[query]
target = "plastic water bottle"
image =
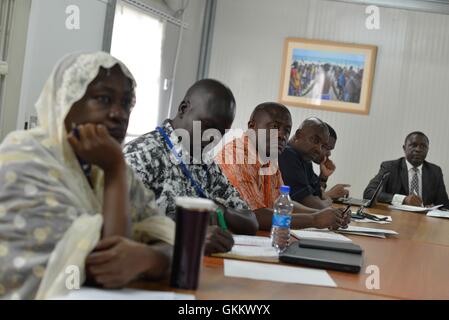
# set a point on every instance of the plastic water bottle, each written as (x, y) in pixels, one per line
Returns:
(282, 217)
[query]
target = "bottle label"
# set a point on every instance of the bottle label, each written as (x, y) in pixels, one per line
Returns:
(282, 221)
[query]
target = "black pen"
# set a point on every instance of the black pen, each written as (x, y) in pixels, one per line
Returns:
(345, 212)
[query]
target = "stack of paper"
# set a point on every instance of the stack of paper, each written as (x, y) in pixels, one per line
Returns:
(438, 213)
(251, 248)
(351, 230)
(318, 234)
(252, 251)
(252, 241)
(404, 207)
(369, 232)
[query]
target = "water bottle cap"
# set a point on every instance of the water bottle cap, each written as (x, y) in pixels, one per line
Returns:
(285, 189)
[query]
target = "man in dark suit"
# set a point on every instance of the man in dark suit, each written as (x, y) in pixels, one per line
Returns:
(412, 181)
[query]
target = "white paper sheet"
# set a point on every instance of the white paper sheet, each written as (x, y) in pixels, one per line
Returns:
(361, 231)
(319, 235)
(404, 207)
(252, 251)
(438, 213)
(252, 241)
(366, 234)
(86, 293)
(277, 273)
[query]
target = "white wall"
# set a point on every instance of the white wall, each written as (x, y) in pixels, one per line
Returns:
(49, 40)
(410, 84)
(188, 57)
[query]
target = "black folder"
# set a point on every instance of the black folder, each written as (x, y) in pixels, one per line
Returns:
(332, 255)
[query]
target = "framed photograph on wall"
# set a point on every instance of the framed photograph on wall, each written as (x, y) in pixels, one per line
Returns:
(327, 75)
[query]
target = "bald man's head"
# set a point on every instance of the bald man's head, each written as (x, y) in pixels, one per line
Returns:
(310, 138)
(208, 102)
(313, 123)
(209, 98)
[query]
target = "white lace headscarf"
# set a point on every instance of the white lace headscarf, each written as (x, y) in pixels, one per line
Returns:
(67, 85)
(50, 217)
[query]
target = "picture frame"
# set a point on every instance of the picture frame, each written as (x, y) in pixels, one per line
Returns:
(327, 75)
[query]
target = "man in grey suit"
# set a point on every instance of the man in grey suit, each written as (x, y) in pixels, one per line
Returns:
(412, 181)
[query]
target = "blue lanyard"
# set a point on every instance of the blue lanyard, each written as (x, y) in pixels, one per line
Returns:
(184, 168)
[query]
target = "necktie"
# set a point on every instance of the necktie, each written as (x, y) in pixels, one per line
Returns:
(414, 185)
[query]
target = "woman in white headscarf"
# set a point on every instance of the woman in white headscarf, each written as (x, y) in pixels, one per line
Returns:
(69, 205)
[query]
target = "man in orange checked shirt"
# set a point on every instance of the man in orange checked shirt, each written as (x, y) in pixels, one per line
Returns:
(250, 165)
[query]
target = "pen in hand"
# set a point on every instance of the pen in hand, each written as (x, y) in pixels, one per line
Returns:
(347, 213)
(416, 194)
(220, 214)
(221, 219)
